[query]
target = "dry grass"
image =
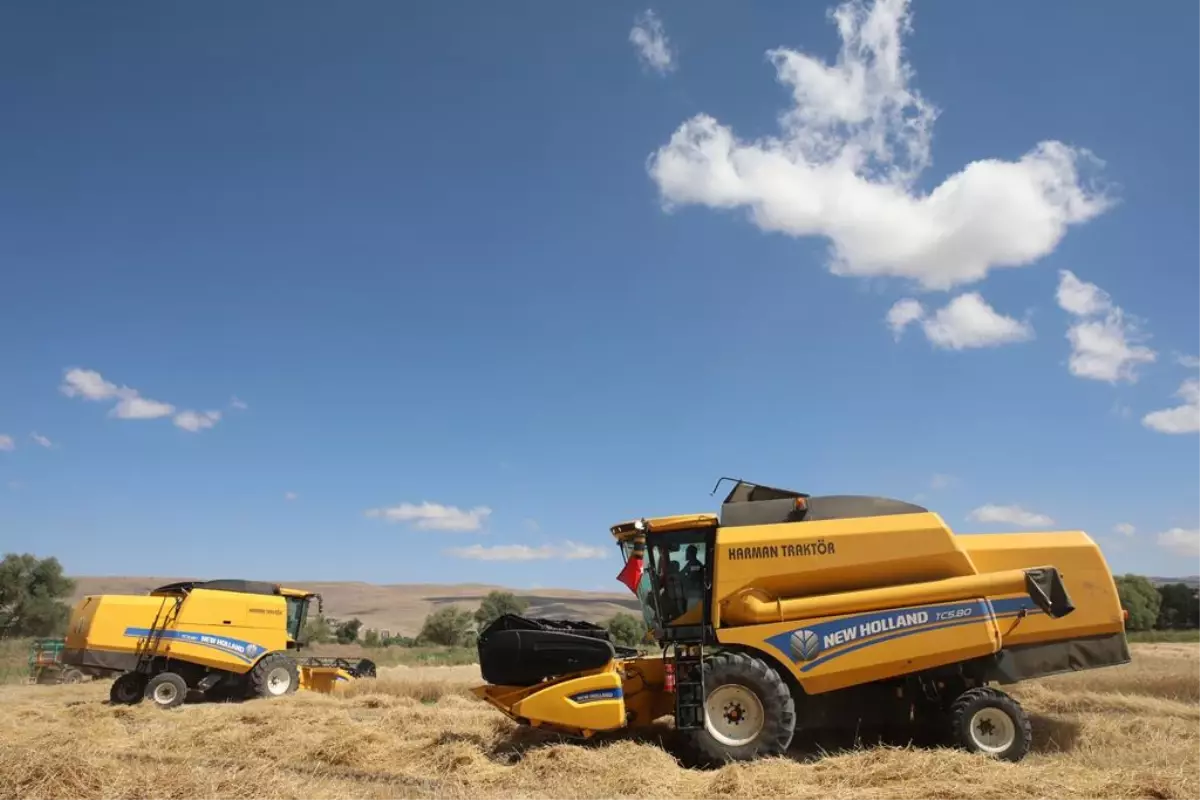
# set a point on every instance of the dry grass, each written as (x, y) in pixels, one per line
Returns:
(415, 732)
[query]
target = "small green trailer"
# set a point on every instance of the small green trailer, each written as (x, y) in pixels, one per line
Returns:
(46, 666)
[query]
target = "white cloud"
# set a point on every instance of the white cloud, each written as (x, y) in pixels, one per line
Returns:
(567, 551)
(434, 516)
(1191, 362)
(1183, 418)
(965, 322)
(6, 443)
(1124, 528)
(1102, 348)
(91, 385)
(237, 403)
(290, 496)
(651, 42)
(1182, 541)
(532, 525)
(902, 314)
(135, 407)
(196, 420)
(1010, 515)
(845, 164)
(42, 440)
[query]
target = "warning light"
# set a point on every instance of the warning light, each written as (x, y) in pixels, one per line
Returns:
(801, 503)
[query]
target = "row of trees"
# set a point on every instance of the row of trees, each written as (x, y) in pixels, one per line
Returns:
(453, 626)
(1171, 606)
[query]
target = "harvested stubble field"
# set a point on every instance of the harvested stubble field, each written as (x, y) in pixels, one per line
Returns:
(1132, 731)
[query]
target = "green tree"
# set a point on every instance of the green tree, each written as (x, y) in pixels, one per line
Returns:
(497, 604)
(626, 629)
(449, 626)
(347, 632)
(1140, 599)
(1180, 607)
(318, 630)
(32, 594)
(371, 638)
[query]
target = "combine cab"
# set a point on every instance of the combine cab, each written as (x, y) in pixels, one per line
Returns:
(789, 610)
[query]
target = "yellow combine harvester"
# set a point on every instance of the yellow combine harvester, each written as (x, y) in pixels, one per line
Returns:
(220, 638)
(793, 611)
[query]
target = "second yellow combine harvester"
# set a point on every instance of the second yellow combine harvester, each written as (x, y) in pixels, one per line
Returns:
(790, 611)
(222, 639)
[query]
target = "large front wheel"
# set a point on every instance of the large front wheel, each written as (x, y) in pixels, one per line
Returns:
(275, 675)
(749, 711)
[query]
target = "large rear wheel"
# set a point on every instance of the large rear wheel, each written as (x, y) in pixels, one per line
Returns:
(274, 675)
(127, 689)
(749, 711)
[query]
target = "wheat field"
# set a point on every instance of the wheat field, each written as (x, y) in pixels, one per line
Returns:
(1131, 731)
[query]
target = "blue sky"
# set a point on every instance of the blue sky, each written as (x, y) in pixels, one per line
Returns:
(405, 292)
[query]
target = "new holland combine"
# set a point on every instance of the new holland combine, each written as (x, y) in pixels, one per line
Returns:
(222, 639)
(792, 611)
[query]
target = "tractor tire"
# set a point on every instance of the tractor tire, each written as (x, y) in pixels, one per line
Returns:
(128, 689)
(988, 721)
(71, 675)
(749, 711)
(275, 675)
(166, 690)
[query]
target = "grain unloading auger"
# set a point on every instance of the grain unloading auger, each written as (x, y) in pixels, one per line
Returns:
(789, 611)
(221, 639)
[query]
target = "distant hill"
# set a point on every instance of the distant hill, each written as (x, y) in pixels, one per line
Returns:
(1191, 580)
(401, 608)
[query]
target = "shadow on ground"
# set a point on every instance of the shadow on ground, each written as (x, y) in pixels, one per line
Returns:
(1050, 735)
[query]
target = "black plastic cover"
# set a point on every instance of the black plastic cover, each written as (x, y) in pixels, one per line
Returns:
(220, 585)
(519, 651)
(1046, 588)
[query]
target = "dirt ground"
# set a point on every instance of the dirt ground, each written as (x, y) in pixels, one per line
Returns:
(1131, 731)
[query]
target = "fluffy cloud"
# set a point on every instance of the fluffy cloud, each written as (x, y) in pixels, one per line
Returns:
(1104, 341)
(91, 385)
(965, 322)
(650, 40)
(1010, 515)
(6, 443)
(44, 441)
(290, 496)
(196, 420)
(1181, 541)
(567, 551)
(433, 516)
(845, 163)
(1183, 418)
(1124, 528)
(240, 405)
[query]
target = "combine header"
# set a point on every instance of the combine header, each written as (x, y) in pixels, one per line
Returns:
(222, 639)
(789, 610)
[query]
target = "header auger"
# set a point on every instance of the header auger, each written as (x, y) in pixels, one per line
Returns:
(789, 610)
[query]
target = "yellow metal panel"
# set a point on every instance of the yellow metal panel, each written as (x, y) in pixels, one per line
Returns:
(212, 628)
(810, 558)
(1082, 567)
(833, 652)
(588, 703)
(678, 522)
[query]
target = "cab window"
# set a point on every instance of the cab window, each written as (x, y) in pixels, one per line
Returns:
(296, 606)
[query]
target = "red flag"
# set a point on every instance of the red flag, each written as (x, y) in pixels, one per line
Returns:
(631, 573)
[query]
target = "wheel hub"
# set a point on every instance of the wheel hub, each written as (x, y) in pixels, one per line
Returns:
(278, 681)
(165, 693)
(992, 730)
(733, 715)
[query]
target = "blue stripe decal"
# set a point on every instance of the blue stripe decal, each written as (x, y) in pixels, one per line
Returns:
(817, 644)
(598, 694)
(246, 651)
